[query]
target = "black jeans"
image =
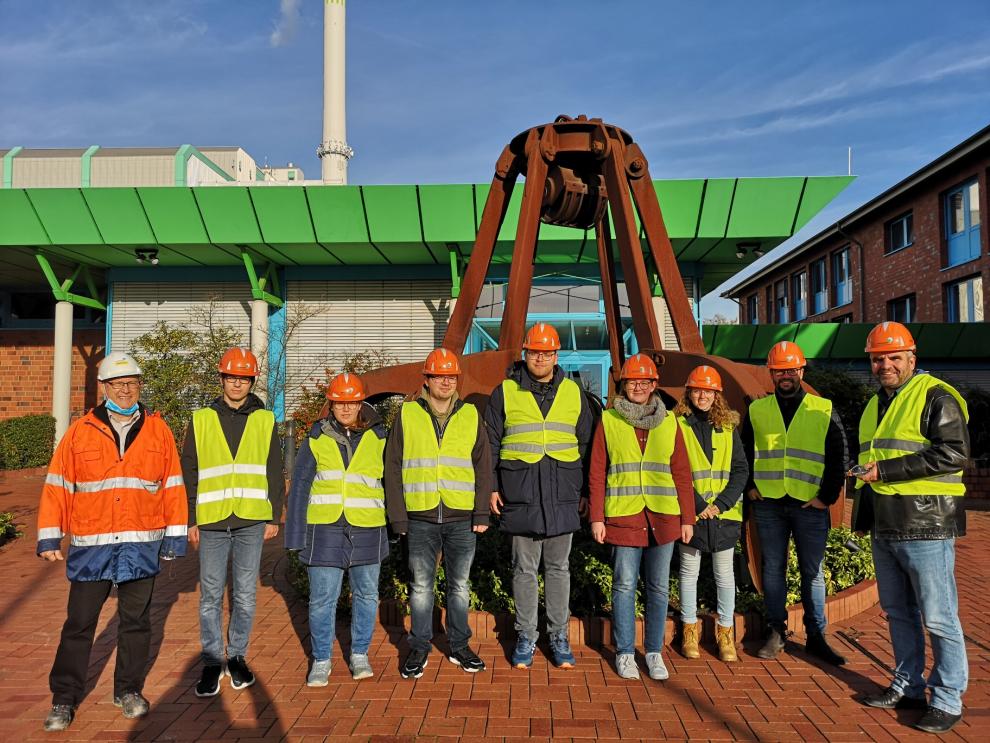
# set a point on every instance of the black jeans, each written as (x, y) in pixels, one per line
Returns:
(86, 598)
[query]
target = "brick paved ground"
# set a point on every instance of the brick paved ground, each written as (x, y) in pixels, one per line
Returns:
(787, 699)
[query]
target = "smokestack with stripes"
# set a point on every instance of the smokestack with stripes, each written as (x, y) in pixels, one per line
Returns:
(333, 150)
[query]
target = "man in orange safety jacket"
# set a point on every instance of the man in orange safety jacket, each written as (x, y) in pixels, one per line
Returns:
(114, 487)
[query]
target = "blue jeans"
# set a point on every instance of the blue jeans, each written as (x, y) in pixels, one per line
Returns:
(242, 548)
(456, 540)
(917, 585)
(324, 590)
(725, 584)
(776, 521)
(656, 580)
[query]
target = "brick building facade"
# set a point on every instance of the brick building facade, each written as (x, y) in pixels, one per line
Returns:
(26, 363)
(919, 252)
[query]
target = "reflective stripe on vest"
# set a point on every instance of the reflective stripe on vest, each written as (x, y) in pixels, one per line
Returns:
(231, 484)
(789, 461)
(639, 479)
(528, 437)
(355, 491)
(710, 478)
(899, 433)
(433, 471)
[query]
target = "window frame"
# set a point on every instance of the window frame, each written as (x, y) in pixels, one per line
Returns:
(777, 296)
(951, 299)
(907, 220)
(911, 305)
(812, 293)
(799, 305)
(954, 240)
(837, 285)
(753, 309)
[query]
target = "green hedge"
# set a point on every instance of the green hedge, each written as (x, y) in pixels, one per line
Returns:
(8, 528)
(591, 576)
(27, 441)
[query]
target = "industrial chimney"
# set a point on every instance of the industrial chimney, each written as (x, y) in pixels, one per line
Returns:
(333, 150)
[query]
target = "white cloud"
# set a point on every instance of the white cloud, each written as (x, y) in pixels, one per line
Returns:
(288, 23)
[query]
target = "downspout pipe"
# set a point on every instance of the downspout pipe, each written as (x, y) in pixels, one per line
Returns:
(862, 270)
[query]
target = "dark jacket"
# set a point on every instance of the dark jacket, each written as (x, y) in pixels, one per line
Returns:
(715, 535)
(337, 545)
(398, 517)
(834, 476)
(899, 517)
(233, 422)
(541, 499)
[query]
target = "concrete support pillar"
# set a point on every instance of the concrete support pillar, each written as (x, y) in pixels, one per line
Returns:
(259, 342)
(62, 369)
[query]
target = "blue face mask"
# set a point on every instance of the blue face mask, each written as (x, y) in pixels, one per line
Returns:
(111, 405)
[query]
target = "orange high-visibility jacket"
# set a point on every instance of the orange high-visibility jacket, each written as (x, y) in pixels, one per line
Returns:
(120, 513)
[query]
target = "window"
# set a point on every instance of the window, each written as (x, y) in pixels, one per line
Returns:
(902, 309)
(962, 223)
(899, 233)
(841, 277)
(783, 316)
(819, 287)
(799, 291)
(292, 175)
(752, 309)
(843, 318)
(964, 300)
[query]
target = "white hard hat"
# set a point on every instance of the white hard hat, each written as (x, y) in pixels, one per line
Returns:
(117, 364)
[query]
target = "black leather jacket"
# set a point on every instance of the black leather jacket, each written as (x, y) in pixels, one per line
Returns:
(900, 517)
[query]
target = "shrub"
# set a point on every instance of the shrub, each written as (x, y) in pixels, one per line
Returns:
(8, 529)
(27, 441)
(591, 576)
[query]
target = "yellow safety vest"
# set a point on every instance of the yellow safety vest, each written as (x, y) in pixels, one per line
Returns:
(528, 436)
(789, 461)
(433, 471)
(710, 478)
(899, 433)
(355, 491)
(232, 484)
(639, 479)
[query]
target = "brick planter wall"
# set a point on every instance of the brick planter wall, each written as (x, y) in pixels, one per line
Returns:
(977, 480)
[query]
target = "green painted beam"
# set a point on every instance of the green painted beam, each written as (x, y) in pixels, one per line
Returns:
(66, 216)
(86, 166)
(19, 222)
(8, 167)
(119, 216)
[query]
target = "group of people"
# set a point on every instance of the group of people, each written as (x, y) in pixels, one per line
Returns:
(647, 477)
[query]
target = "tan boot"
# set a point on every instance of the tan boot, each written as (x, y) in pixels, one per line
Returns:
(689, 640)
(725, 639)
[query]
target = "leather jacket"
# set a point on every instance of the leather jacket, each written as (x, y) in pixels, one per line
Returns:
(900, 517)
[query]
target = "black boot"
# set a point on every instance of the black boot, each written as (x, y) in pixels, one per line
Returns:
(774, 644)
(818, 646)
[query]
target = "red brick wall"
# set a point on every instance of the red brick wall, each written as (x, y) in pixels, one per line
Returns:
(977, 481)
(917, 269)
(26, 370)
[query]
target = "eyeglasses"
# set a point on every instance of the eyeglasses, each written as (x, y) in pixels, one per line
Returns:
(540, 355)
(230, 379)
(442, 378)
(117, 385)
(785, 372)
(639, 384)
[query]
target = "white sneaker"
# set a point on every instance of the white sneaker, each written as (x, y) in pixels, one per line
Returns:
(360, 667)
(654, 664)
(625, 666)
(319, 674)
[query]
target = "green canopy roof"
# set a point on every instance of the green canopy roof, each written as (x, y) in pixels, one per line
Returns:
(374, 225)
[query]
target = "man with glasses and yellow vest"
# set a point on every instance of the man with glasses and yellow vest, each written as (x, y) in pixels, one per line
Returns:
(540, 425)
(437, 485)
(232, 465)
(797, 450)
(913, 446)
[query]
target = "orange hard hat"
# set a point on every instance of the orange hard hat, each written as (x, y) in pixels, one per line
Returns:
(890, 337)
(704, 378)
(786, 355)
(346, 387)
(639, 366)
(542, 337)
(238, 362)
(442, 362)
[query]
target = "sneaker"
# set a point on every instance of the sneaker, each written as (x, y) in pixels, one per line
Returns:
(131, 704)
(60, 717)
(818, 646)
(416, 661)
(654, 664)
(937, 720)
(625, 666)
(467, 660)
(319, 674)
(209, 684)
(561, 648)
(360, 666)
(240, 675)
(774, 644)
(890, 698)
(522, 656)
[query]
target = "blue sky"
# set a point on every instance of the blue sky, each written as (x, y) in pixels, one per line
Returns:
(436, 89)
